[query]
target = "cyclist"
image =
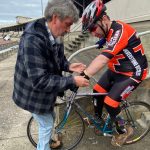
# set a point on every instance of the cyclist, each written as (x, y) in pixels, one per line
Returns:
(127, 64)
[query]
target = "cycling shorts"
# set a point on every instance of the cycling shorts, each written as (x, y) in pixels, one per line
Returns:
(117, 86)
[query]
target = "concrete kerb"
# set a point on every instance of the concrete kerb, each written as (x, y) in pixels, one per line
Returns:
(7, 52)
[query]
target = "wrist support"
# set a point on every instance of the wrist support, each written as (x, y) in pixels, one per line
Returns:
(85, 75)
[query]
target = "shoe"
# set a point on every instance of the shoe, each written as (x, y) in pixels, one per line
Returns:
(57, 144)
(120, 139)
(120, 125)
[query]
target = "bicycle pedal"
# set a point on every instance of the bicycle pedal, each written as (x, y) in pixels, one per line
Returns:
(107, 134)
(87, 121)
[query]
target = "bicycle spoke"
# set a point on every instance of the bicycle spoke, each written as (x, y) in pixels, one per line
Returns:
(72, 127)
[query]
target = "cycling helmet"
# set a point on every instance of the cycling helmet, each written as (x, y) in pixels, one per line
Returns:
(93, 12)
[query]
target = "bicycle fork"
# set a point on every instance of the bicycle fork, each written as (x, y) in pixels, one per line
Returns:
(67, 112)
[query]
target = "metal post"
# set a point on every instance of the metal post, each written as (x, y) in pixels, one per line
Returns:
(42, 7)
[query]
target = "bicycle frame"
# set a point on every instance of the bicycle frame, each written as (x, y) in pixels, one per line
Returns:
(97, 124)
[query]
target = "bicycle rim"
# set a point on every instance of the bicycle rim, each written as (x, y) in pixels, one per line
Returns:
(72, 131)
(137, 118)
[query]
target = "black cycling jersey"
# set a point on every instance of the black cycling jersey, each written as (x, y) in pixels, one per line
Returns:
(125, 51)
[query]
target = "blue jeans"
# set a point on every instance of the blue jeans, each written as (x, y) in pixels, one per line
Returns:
(45, 122)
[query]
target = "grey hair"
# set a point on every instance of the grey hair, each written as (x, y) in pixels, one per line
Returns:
(62, 8)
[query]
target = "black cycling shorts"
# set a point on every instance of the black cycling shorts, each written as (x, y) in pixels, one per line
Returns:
(117, 86)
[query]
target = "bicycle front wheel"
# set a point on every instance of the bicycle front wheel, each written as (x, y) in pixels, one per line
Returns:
(71, 133)
(136, 115)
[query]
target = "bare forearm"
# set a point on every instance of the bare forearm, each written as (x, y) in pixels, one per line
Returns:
(96, 65)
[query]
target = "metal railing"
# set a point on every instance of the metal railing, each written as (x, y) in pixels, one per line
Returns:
(8, 45)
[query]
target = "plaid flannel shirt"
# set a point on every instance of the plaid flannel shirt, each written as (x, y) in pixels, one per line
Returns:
(38, 72)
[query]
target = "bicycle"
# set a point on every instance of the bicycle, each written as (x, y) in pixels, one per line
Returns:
(71, 124)
(72, 127)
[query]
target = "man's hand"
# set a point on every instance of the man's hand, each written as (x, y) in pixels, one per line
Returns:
(100, 43)
(77, 67)
(80, 81)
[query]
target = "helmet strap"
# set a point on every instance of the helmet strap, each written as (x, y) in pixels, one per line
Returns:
(101, 26)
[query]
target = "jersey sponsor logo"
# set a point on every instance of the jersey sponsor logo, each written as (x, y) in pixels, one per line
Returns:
(133, 61)
(127, 91)
(114, 39)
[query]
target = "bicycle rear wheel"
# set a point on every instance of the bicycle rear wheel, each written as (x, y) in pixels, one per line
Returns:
(136, 115)
(72, 132)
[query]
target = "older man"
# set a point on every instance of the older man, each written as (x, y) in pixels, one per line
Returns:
(38, 76)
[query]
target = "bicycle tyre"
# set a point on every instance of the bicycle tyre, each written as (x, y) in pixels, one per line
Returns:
(29, 134)
(67, 145)
(141, 127)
